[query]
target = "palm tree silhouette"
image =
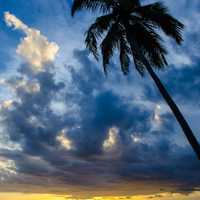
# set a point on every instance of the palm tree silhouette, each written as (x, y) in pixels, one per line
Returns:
(131, 28)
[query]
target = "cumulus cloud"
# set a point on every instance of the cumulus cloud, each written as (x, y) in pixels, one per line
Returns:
(6, 104)
(64, 141)
(35, 47)
(7, 167)
(111, 141)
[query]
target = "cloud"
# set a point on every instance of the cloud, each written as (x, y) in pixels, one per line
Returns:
(7, 168)
(64, 140)
(111, 141)
(95, 131)
(34, 48)
(11, 20)
(103, 136)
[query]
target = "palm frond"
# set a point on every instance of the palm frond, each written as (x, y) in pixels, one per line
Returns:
(95, 31)
(110, 42)
(124, 55)
(159, 15)
(92, 5)
(129, 5)
(150, 43)
(91, 43)
(139, 66)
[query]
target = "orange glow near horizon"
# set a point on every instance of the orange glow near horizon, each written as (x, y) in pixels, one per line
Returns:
(164, 196)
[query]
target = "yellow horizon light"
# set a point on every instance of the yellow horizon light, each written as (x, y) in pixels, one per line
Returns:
(163, 196)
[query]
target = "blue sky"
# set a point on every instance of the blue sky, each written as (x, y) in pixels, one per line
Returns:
(62, 120)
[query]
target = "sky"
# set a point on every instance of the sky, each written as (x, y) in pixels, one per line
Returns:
(67, 131)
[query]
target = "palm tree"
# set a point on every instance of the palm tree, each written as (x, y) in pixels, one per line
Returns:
(133, 29)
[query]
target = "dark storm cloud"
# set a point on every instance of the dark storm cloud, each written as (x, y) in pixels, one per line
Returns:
(94, 106)
(35, 104)
(185, 83)
(182, 84)
(101, 109)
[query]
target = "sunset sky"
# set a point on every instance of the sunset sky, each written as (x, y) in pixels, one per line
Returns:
(69, 132)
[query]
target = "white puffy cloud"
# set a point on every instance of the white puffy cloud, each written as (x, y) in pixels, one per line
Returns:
(6, 104)
(58, 107)
(135, 138)
(64, 141)
(28, 86)
(7, 166)
(157, 117)
(111, 141)
(11, 20)
(35, 47)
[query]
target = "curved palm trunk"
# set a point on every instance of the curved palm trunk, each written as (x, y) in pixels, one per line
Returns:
(174, 108)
